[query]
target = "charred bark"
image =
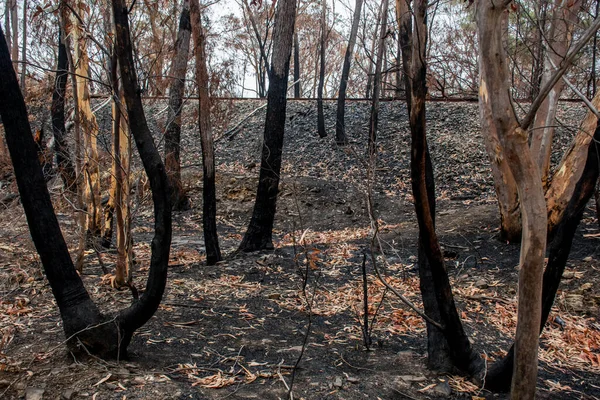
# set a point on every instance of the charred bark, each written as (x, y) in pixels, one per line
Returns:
(142, 310)
(209, 193)
(320, 113)
(63, 158)
(340, 127)
(81, 318)
(179, 198)
(260, 230)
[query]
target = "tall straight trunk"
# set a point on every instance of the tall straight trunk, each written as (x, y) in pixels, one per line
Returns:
(374, 117)
(501, 372)
(438, 352)
(297, 83)
(157, 58)
(179, 198)
(142, 310)
(322, 49)
(423, 193)
(494, 97)
(24, 49)
(260, 230)
(89, 126)
(369, 88)
(340, 126)
(7, 6)
(538, 60)
(209, 195)
(560, 36)
(570, 169)
(63, 158)
(14, 21)
(81, 215)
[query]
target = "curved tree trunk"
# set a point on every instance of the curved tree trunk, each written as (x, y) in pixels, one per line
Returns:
(340, 126)
(320, 112)
(438, 351)
(209, 194)
(142, 310)
(260, 230)
(179, 198)
(77, 310)
(494, 97)
(422, 186)
(63, 158)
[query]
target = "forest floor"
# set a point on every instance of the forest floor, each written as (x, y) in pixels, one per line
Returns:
(253, 324)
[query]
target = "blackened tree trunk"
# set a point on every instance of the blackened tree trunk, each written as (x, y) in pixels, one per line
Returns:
(179, 198)
(297, 83)
(209, 194)
(260, 230)
(142, 310)
(459, 346)
(500, 374)
(322, 47)
(77, 310)
(374, 117)
(63, 158)
(340, 127)
(438, 352)
(24, 50)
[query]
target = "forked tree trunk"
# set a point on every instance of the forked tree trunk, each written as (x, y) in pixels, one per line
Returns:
(88, 123)
(374, 115)
(260, 230)
(209, 194)
(179, 198)
(320, 113)
(500, 374)
(77, 310)
(559, 39)
(497, 111)
(340, 127)
(570, 169)
(141, 311)
(63, 158)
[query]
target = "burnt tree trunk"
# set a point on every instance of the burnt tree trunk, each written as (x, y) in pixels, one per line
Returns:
(142, 310)
(179, 199)
(63, 158)
(260, 230)
(77, 310)
(323, 41)
(374, 115)
(297, 83)
(209, 194)
(422, 185)
(340, 127)
(438, 352)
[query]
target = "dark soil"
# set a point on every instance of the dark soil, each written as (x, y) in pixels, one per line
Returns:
(249, 326)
